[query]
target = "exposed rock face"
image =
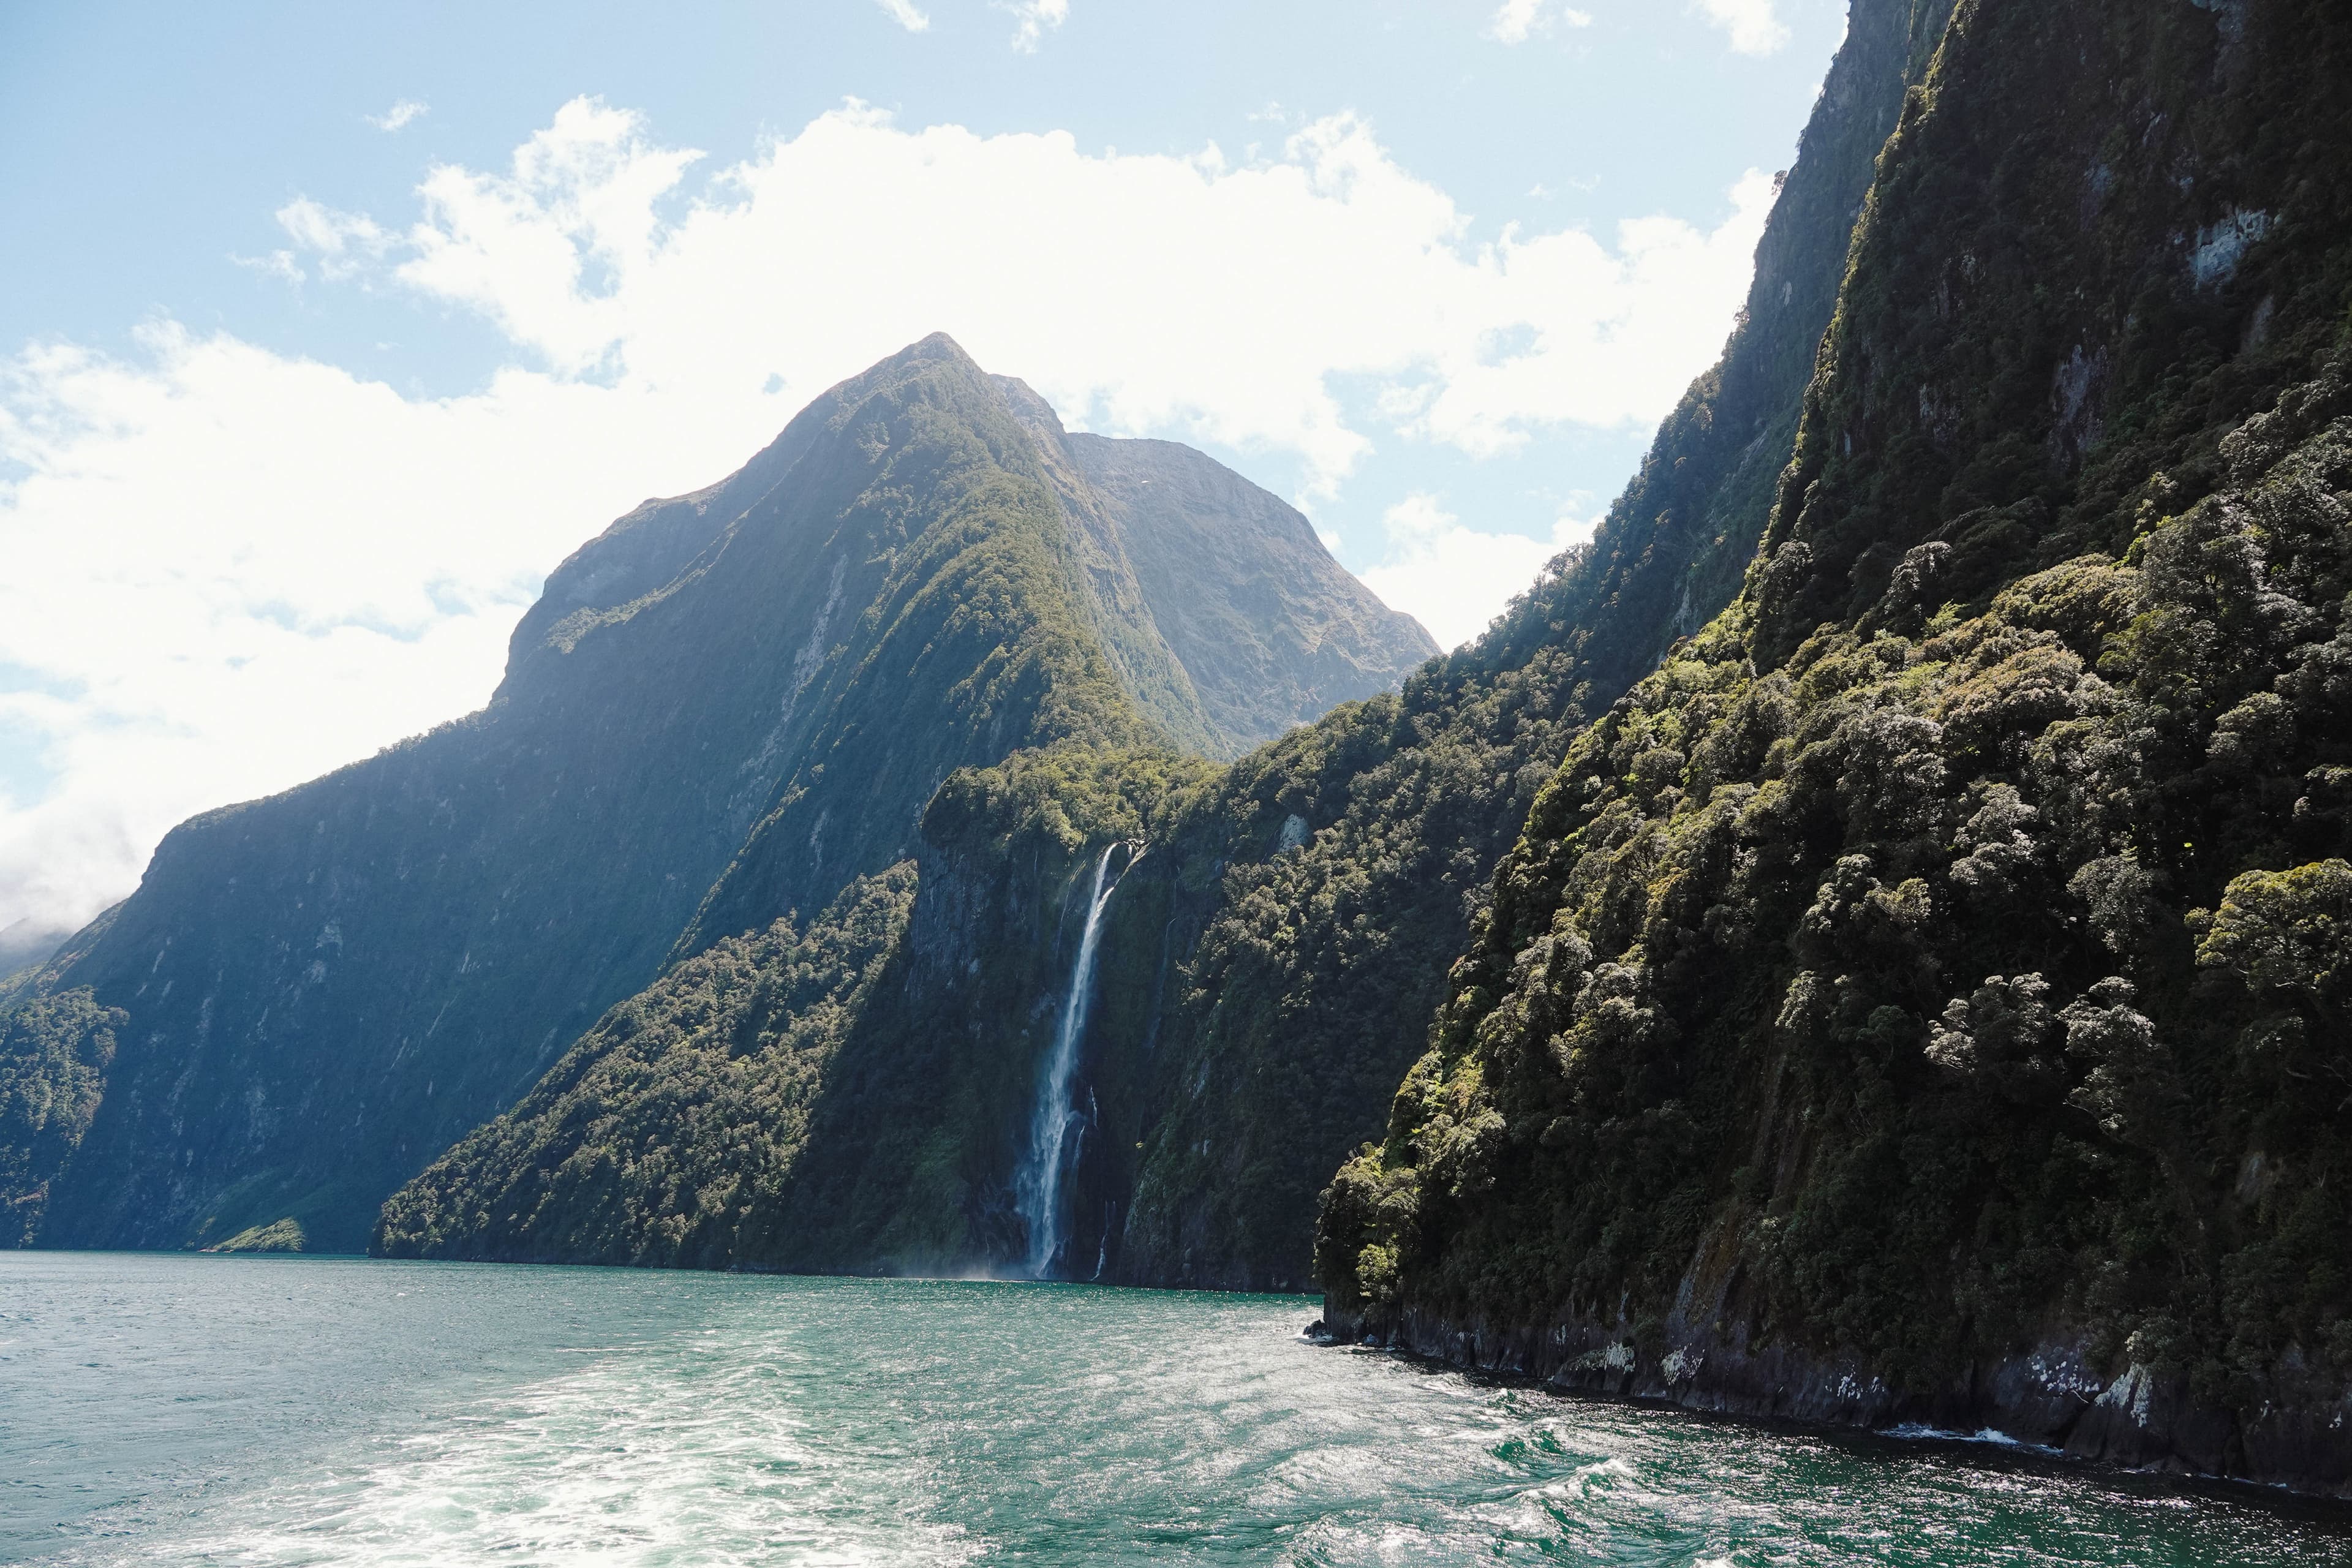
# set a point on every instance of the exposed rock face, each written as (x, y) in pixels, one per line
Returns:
(852, 1093)
(727, 707)
(1906, 1003)
(2050, 1393)
(1231, 582)
(735, 703)
(1231, 573)
(1340, 868)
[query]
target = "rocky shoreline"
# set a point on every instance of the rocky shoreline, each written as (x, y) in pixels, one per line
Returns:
(2049, 1397)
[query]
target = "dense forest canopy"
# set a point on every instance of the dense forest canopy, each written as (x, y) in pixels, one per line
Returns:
(1268, 968)
(1863, 939)
(725, 710)
(1927, 978)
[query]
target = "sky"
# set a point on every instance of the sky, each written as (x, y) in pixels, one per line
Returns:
(326, 331)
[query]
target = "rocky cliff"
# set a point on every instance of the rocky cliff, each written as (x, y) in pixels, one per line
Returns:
(1918, 1000)
(1346, 862)
(1267, 968)
(728, 707)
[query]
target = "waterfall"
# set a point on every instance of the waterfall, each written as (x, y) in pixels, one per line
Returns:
(1056, 1123)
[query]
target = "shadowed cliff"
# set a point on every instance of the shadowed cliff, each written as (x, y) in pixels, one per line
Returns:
(1919, 1000)
(729, 706)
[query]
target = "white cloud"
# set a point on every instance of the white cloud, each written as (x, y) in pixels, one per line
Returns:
(1264, 283)
(904, 13)
(341, 243)
(400, 115)
(556, 250)
(1517, 21)
(1037, 17)
(231, 570)
(1750, 24)
(278, 264)
(1454, 580)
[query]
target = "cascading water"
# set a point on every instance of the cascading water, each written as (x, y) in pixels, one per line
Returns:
(1055, 1124)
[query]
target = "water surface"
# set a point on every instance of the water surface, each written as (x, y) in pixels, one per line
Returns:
(172, 1409)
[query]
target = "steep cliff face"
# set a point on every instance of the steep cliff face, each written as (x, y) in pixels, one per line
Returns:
(1152, 583)
(1350, 858)
(55, 1050)
(856, 1094)
(682, 1112)
(1917, 1000)
(1268, 966)
(1218, 600)
(1271, 640)
(727, 708)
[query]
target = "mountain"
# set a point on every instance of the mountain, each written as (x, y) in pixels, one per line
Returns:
(727, 707)
(1866, 940)
(1358, 852)
(1261, 973)
(27, 943)
(1224, 619)
(1921, 999)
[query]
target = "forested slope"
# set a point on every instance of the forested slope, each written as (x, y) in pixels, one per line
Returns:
(850, 1094)
(1921, 998)
(326, 987)
(1268, 966)
(1317, 967)
(728, 707)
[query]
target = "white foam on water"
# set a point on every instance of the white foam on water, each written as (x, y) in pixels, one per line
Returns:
(802, 1422)
(620, 1464)
(1919, 1432)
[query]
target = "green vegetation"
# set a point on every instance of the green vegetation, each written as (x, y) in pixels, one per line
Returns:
(676, 1121)
(1317, 968)
(731, 705)
(840, 1095)
(1939, 955)
(54, 1053)
(442, 920)
(1060, 800)
(912, 1167)
(1935, 958)
(953, 608)
(924, 623)
(1269, 966)
(278, 1236)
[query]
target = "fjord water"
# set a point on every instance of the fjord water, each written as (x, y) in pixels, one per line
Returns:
(180, 1409)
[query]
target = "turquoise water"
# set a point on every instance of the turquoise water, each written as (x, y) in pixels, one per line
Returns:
(164, 1409)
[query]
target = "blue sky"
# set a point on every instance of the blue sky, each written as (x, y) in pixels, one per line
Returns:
(302, 391)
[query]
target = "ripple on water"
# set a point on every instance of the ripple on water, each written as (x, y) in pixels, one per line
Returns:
(620, 1462)
(284, 1412)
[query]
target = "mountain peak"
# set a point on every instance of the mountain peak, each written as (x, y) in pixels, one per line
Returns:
(726, 706)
